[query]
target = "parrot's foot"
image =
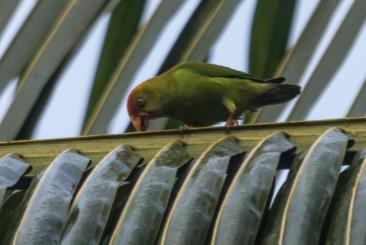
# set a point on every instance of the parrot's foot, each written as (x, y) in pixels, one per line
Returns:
(184, 129)
(230, 123)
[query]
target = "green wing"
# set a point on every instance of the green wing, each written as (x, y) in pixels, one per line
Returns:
(211, 70)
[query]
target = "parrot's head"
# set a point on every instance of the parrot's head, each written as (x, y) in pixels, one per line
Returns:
(143, 103)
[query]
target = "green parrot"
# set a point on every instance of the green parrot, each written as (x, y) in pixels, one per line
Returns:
(201, 94)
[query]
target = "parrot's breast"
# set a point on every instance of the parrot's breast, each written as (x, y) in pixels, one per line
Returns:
(202, 114)
(200, 107)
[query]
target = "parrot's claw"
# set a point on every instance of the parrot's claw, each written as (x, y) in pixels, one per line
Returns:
(184, 129)
(230, 123)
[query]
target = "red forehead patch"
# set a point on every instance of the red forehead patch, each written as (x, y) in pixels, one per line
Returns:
(131, 107)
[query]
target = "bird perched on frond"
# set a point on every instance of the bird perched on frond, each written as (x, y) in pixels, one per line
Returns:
(201, 94)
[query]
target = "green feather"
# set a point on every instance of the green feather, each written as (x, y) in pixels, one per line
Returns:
(198, 93)
(211, 70)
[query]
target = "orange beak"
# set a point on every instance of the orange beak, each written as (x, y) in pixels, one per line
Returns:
(140, 122)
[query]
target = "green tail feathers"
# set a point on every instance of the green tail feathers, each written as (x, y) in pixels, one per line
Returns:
(279, 94)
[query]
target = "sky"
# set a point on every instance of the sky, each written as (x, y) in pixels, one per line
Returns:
(64, 113)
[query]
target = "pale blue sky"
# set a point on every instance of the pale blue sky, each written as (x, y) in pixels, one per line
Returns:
(64, 113)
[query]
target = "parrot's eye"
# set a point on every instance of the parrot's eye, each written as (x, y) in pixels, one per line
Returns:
(140, 102)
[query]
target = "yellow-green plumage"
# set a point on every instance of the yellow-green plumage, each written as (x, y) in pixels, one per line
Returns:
(200, 94)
